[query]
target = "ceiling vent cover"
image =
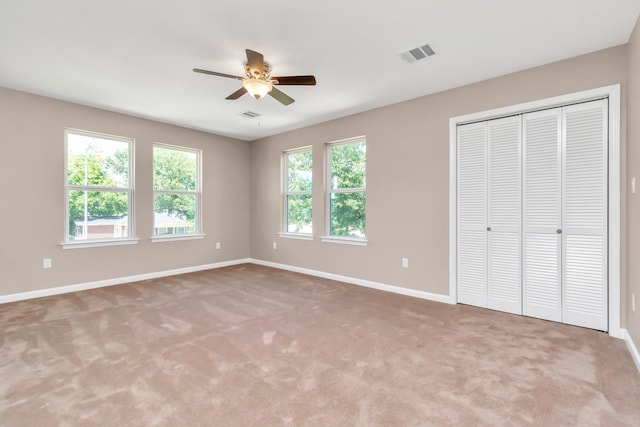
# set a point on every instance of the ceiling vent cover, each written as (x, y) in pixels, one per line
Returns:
(250, 114)
(418, 53)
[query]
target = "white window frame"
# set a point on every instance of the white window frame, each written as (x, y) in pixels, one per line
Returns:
(197, 233)
(328, 238)
(74, 244)
(286, 193)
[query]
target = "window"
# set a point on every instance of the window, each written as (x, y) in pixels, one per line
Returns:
(347, 170)
(99, 186)
(176, 191)
(298, 181)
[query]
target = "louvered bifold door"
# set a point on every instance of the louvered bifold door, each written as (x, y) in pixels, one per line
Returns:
(503, 232)
(472, 213)
(541, 279)
(585, 215)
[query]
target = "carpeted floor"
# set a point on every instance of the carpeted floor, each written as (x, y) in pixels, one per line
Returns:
(254, 346)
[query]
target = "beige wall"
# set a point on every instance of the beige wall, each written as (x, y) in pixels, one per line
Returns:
(407, 198)
(633, 200)
(32, 207)
(407, 174)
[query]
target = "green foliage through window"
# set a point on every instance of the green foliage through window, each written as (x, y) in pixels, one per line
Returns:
(347, 189)
(298, 186)
(98, 189)
(176, 190)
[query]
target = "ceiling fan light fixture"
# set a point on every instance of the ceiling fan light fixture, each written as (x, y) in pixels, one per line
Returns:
(258, 81)
(257, 87)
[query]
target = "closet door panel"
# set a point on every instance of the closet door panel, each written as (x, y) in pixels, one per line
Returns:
(504, 286)
(585, 294)
(472, 268)
(585, 220)
(542, 295)
(472, 214)
(504, 215)
(585, 167)
(541, 291)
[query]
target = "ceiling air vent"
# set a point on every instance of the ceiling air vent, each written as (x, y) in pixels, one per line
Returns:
(418, 53)
(250, 114)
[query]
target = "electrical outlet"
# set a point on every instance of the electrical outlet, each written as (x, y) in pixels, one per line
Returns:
(275, 246)
(405, 262)
(633, 302)
(217, 245)
(46, 263)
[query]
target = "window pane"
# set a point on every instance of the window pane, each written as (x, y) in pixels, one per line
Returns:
(174, 169)
(97, 215)
(174, 214)
(299, 171)
(348, 214)
(95, 161)
(349, 165)
(299, 213)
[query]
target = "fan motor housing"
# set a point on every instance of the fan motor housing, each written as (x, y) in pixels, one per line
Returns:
(258, 74)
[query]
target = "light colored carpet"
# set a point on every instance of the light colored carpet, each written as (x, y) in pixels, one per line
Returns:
(253, 346)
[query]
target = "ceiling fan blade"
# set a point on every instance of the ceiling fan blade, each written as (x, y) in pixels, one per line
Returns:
(294, 80)
(215, 73)
(255, 62)
(281, 96)
(237, 94)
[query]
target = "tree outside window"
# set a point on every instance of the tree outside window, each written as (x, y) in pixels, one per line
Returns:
(98, 186)
(176, 187)
(297, 191)
(347, 188)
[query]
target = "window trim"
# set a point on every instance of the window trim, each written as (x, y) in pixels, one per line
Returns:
(299, 236)
(171, 238)
(96, 243)
(328, 237)
(198, 226)
(129, 189)
(356, 241)
(285, 193)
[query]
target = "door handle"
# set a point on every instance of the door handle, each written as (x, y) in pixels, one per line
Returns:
(488, 228)
(559, 231)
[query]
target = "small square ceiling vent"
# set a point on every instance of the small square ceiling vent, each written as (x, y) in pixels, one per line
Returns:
(418, 53)
(250, 114)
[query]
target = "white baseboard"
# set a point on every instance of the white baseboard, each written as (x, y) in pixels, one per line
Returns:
(632, 348)
(117, 281)
(360, 282)
(619, 333)
(139, 277)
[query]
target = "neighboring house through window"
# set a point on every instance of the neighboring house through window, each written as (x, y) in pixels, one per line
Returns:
(176, 190)
(346, 174)
(99, 186)
(298, 183)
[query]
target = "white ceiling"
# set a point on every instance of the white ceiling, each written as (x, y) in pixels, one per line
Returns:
(136, 56)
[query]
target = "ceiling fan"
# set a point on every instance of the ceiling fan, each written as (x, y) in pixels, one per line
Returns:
(258, 81)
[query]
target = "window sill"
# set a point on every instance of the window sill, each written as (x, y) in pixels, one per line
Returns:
(98, 243)
(298, 236)
(344, 240)
(156, 239)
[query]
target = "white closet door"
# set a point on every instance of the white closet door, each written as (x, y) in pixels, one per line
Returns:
(542, 296)
(585, 215)
(472, 214)
(504, 285)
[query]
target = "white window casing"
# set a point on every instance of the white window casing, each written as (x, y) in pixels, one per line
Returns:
(352, 236)
(95, 168)
(177, 222)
